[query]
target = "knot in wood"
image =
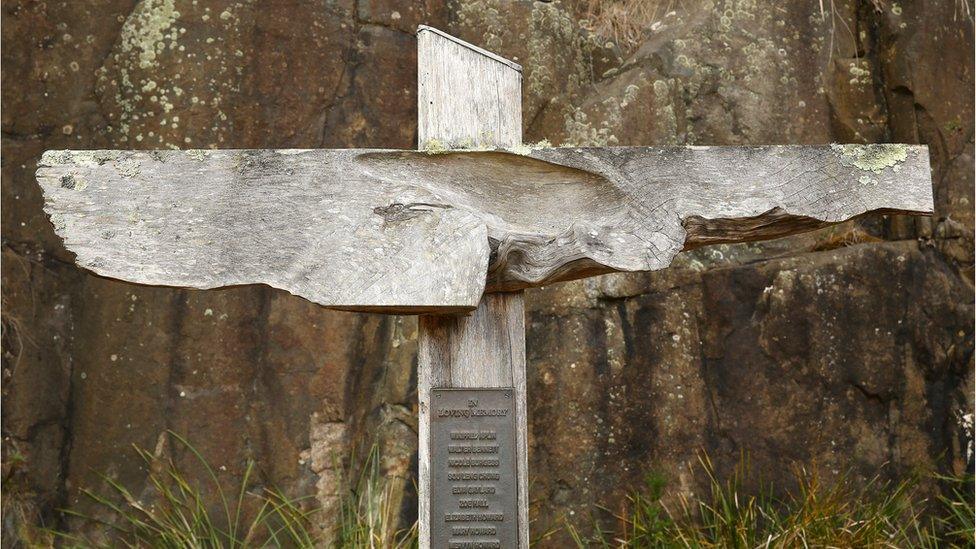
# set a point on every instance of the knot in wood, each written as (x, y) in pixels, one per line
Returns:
(397, 211)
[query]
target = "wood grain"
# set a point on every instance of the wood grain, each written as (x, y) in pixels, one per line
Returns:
(409, 231)
(482, 350)
(487, 347)
(467, 97)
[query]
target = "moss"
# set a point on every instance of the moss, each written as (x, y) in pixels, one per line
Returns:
(953, 125)
(872, 158)
(483, 15)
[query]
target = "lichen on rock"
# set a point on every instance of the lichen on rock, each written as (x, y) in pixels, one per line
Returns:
(145, 30)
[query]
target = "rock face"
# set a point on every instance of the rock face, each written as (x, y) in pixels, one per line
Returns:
(847, 349)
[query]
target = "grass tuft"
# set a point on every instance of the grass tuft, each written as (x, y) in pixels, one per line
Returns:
(879, 515)
(176, 513)
(367, 516)
(817, 514)
(624, 22)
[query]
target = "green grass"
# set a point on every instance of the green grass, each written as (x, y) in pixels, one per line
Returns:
(367, 517)
(179, 517)
(839, 514)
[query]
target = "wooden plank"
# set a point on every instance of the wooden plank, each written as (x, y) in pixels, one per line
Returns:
(489, 338)
(483, 350)
(465, 96)
(409, 231)
(315, 223)
(433, 371)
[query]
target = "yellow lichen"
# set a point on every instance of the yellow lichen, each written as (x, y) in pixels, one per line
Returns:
(433, 146)
(145, 29)
(872, 158)
(527, 148)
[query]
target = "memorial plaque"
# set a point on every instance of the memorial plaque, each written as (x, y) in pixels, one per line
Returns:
(474, 492)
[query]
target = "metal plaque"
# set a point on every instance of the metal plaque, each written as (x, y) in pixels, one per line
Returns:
(473, 486)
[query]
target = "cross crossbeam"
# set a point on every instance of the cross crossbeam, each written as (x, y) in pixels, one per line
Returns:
(421, 231)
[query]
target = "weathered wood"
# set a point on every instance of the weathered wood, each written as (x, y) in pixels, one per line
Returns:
(485, 349)
(466, 94)
(411, 231)
(316, 223)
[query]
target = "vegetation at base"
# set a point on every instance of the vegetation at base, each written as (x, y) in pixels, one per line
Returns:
(176, 515)
(839, 514)
(367, 515)
(879, 515)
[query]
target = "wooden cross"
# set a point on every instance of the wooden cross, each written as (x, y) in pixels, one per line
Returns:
(455, 231)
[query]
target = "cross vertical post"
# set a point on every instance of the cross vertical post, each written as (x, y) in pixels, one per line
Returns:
(468, 97)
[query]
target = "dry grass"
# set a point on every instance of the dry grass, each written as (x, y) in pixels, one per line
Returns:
(818, 514)
(625, 22)
(964, 10)
(368, 517)
(839, 514)
(177, 516)
(622, 21)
